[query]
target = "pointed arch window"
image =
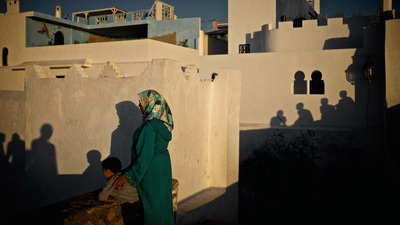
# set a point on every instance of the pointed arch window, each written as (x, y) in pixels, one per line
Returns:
(5, 57)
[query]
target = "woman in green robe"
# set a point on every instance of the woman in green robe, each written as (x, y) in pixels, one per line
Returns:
(150, 169)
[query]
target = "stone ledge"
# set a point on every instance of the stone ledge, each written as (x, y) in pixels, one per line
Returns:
(86, 209)
(194, 210)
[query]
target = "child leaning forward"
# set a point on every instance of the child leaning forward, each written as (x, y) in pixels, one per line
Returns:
(112, 168)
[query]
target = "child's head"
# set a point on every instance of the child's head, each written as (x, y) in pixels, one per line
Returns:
(111, 166)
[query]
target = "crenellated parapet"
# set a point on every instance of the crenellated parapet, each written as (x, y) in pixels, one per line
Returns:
(336, 34)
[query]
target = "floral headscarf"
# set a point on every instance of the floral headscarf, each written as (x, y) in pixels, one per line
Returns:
(156, 107)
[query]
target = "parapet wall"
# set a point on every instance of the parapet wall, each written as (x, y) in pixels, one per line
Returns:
(310, 37)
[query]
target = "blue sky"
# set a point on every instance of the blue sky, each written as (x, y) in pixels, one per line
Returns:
(206, 9)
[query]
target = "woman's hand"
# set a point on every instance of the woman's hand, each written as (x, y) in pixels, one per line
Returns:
(119, 182)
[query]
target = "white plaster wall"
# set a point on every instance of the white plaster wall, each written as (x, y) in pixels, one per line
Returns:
(392, 59)
(93, 54)
(121, 51)
(246, 17)
(307, 38)
(14, 26)
(267, 82)
(82, 111)
(12, 105)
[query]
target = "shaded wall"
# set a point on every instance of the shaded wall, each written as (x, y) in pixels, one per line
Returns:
(310, 153)
(295, 11)
(392, 57)
(313, 174)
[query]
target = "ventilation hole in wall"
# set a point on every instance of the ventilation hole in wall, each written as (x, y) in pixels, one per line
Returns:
(59, 72)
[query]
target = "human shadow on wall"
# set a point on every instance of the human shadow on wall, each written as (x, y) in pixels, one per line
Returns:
(14, 162)
(14, 158)
(327, 112)
(130, 118)
(346, 109)
(32, 176)
(3, 161)
(42, 166)
(92, 178)
(279, 120)
(305, 117)
(16, 155)
(344, 113)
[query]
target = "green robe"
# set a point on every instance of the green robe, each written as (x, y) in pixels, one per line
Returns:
(150, 171)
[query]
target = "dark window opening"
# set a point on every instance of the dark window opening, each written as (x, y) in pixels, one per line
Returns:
(59, 38)
(317, 85)
(244, 48)
(299, 85)
(5, 57)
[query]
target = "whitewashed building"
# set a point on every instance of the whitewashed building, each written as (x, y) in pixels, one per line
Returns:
(295, 85)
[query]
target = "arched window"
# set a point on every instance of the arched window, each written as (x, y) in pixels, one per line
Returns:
(59, 38)
(5, 57)
(317, 85)
(299, 85)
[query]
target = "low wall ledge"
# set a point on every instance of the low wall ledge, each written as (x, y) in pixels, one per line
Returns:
(87, 209)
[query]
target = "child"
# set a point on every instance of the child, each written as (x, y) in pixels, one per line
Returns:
(111, 168)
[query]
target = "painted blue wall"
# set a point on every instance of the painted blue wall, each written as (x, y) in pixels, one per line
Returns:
(188, 28)
(74, 33)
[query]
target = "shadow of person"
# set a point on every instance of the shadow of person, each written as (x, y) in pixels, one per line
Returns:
(279, 120)
(43, 167)
(14, 175)
(345, 109)
(130, 118)
(3, 160)
(305, 116)
(93, 176)
(327, 113)
(43, 154)
(16, 155)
